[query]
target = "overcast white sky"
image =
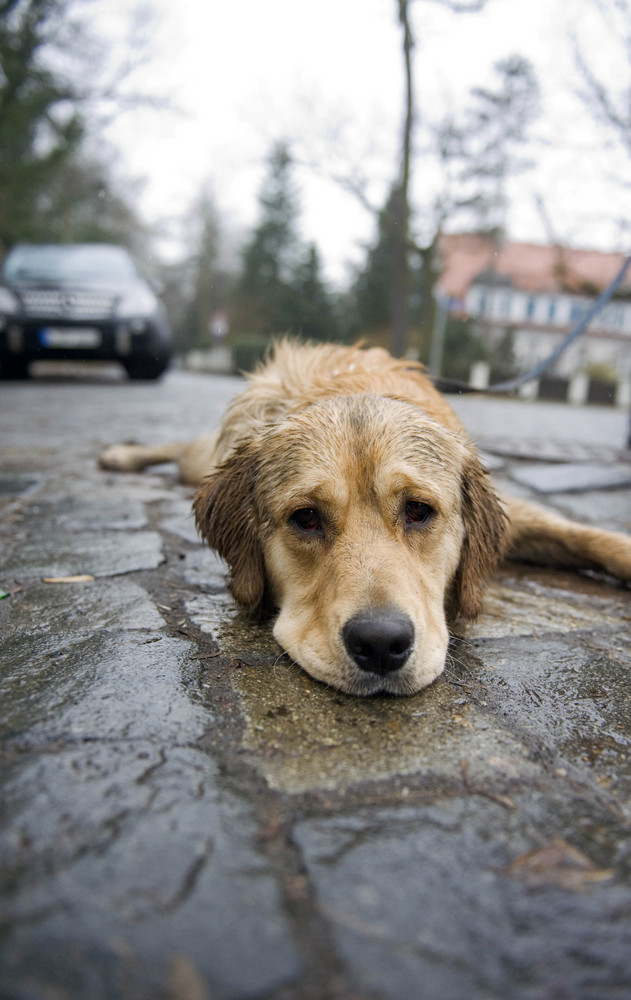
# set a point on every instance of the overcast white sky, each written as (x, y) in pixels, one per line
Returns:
(246, 73)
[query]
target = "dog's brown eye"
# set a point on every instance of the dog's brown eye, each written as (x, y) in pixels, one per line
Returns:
(417, 513)
(307, 519)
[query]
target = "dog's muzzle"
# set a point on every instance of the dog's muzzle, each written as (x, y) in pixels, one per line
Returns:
(379, 641)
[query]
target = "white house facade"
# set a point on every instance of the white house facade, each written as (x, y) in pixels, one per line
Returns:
(538, 321)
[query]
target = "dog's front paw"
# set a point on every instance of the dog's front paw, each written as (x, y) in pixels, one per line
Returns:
(120, 458)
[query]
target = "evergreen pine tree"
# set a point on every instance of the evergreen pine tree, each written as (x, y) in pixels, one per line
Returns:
(374, 283)
(281, 288)
(264, 296)
(314, 310)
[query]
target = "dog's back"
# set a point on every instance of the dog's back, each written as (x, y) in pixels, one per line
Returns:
(297, 375)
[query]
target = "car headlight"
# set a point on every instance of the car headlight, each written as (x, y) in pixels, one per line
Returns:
(137, 301)
(9, 302)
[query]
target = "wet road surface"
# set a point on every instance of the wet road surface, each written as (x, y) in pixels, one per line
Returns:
(187, 816)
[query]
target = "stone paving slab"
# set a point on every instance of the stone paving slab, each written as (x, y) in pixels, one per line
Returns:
(419, 896)
(548, 449)
(68, 610)
(72, 515)
(573, 477)
(157, 867)
(108, 553)
(180, 521)
(606, 508)
(518, 607)
(114, 824)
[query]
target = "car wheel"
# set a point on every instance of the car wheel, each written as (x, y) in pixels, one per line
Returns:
(146, 368)
(13, 368)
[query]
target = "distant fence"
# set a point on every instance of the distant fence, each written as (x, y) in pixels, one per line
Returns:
(579, 389)
(218, 360)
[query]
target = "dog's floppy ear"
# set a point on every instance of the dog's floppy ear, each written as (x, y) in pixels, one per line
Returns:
(226, 517)
(484, 521)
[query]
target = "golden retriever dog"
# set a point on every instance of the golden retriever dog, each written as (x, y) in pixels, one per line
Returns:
(347, 500)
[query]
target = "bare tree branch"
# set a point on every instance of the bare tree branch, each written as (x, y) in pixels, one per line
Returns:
(462, 7)
(610, 108)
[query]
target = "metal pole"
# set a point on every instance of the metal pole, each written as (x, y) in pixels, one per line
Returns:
(437, 347)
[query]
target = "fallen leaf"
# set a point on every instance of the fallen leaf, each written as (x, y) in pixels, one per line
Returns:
(80, 578)
(558, 864)
(185, 980)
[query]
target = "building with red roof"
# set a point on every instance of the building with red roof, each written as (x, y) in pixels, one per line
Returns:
(535, 295)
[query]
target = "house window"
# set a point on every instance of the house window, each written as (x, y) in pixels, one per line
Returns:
(530, 306)
(504, 305)
(552, 310)
(615, 317)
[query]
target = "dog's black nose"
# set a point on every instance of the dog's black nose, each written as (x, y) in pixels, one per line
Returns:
(379, 641)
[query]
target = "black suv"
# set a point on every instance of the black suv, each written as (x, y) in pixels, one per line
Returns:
(83, 301)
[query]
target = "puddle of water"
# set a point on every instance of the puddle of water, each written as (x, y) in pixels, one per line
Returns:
(14, 486)
(304, 736)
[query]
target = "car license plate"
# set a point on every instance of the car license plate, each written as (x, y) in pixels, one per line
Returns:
(79, 337)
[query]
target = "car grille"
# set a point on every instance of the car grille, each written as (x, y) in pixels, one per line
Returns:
(53, 304)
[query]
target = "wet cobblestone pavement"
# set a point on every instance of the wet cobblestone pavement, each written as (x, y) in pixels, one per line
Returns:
(187, 816)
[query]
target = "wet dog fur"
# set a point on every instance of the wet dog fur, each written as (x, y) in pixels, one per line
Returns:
(348, 501)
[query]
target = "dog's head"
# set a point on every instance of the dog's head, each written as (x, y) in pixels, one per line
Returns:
(368, 526)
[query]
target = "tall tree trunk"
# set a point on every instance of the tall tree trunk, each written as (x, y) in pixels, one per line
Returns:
(399, 277)
(400, 270)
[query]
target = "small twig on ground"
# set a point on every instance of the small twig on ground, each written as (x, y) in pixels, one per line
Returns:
(502, 800)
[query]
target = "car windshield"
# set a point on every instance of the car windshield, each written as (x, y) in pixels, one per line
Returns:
(79, 263)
